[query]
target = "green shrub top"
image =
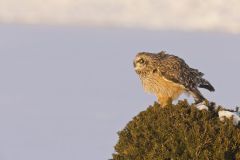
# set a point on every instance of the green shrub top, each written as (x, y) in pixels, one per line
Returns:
(178, 132)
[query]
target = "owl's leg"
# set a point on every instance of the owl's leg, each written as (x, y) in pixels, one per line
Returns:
(164, 100)
(198, 97)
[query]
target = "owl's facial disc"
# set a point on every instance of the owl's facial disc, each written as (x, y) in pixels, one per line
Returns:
(139, 64)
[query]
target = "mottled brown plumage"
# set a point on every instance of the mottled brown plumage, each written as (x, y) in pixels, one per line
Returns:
(168, 76)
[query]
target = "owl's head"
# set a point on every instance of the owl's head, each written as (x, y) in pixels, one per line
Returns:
(144, 62)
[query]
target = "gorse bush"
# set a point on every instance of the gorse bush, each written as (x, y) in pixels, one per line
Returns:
(178, 132)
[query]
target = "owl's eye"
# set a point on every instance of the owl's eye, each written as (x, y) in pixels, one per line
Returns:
(141, 61)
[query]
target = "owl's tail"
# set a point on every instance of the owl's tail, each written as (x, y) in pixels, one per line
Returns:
(205, 84)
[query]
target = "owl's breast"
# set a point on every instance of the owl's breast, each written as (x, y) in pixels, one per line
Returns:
(158, 85)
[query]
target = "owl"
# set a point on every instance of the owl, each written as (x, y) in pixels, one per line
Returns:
(168, 76)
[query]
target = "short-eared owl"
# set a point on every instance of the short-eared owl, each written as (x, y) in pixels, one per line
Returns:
(168, 76)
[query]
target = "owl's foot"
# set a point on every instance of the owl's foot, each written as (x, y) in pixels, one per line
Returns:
(163, 105)
(164, 101)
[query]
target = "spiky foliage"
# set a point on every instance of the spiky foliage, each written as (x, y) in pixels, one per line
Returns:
(178, 132)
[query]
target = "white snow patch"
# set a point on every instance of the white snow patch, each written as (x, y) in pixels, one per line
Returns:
(201, 106)
(228, 114)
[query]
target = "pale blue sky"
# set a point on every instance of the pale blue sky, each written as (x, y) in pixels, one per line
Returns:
(66, 91)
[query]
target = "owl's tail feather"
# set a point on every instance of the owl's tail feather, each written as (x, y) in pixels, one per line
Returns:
(205, 84)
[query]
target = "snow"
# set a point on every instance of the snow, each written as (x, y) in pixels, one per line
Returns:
(201, 107)
(228, 114)
(222, 114)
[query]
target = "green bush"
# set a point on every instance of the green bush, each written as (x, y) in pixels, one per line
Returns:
(178, 132)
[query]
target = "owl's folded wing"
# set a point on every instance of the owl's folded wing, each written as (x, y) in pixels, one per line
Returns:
(176, 70)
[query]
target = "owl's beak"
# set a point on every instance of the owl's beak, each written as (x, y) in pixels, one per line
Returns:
(136, 67)
(134, 64)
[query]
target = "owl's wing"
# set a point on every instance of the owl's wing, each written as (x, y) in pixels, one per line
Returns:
(176, 70)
